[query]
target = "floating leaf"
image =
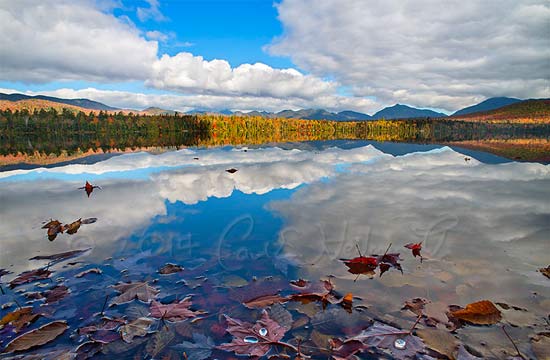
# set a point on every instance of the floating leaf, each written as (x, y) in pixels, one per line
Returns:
(89, 188)
(89, 271)
(170, 269)
(37, 337)
(56, 294)
(387, 337)
(299, 283)
(19, 318)
(415, 247)
(89, 221)
(545, 271)
(30, 276)
(415, 305)
(199, 349)
(73, 227)
(253, 340)
(136, 290)
(61, 256)
(232, 170)
(479, 313)
(138, 327)
(174, 312)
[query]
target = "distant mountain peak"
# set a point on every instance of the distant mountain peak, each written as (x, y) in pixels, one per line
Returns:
(487, 105)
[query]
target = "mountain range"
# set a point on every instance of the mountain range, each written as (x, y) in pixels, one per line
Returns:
(397, 111)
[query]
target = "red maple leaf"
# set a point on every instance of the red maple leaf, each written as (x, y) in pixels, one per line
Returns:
(253, 339)
(415, 247)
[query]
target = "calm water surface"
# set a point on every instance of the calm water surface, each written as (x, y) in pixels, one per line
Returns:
(287, 213)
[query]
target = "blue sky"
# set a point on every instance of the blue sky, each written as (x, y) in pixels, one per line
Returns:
(263, 55)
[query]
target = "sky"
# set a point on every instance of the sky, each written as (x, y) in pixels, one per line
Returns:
(290, 54)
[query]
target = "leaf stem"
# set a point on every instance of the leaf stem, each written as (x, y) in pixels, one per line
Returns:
(512, 341)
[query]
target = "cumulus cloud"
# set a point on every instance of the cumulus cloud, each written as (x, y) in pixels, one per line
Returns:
(186, 72)
(70, 40)
(132, 100)
(424, 53)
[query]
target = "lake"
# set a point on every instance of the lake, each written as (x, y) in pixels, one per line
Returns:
(283, 235)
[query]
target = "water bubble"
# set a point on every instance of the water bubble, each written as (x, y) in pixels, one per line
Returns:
(250, 339)
(400, 344)
(263, 331)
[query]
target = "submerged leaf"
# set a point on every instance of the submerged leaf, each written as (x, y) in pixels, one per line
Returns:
(253, 340)
(37, 337)
(56, 294)
(199, 349)
(30, 276)
(387, 337)
(479, 313)
(138, 327)
(175, 311)
(136, 290)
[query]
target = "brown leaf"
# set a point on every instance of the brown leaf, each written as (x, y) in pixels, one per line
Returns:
(19, 318)
(253, 340)
(159, 341)
(439, 341)
(73, 227)
(89, 271)
(175, 311)
(138, 327)
(61, 256)
(30, 276)
(545, 271)
(482, 312)
(37, 337)
(51, 224)
(170, 269)
(264, 301)
(232, 170)
(56, 294)
(136, 290)
(415, 305)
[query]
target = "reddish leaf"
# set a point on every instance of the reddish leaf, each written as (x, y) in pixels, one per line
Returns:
(56, 294)
(175, 311)
(136, 290)
(299, 283)
(253, 340)
(30, 276)
(415, 247)
(170, 269)
(89, 188)
(361, 265)
(482, 312)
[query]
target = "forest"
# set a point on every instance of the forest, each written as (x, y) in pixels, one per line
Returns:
(56, 132)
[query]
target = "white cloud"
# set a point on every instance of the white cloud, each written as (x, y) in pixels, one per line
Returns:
(152, 12)
(426, 53)
(185, 72)
(70, 40)
(131, 100)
